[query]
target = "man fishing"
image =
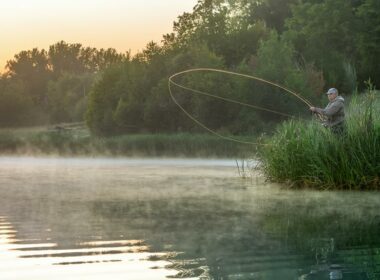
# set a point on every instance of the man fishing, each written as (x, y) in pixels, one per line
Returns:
(334, 112)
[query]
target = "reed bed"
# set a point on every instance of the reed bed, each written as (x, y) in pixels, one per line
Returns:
(305, 154)
(79, 142)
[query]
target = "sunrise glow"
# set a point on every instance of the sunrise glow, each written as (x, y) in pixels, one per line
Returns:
(123, 25)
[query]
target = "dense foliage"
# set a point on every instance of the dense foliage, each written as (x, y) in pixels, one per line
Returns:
(51, 86)
(305, 45)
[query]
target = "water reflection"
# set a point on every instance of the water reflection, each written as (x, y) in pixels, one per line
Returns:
(136, 219)
(36, 259)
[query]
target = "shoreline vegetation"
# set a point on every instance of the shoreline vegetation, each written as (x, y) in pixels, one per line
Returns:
(76, 140)
(308, 155)
(123, 99)
(300, 154)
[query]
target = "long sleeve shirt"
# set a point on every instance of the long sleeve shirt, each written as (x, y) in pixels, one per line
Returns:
(334, 111)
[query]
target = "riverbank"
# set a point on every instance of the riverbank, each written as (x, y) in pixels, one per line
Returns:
(77, 141)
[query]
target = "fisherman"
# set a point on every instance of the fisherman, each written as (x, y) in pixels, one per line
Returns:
(334, 112)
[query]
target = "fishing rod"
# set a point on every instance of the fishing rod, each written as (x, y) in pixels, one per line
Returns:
(171, 82)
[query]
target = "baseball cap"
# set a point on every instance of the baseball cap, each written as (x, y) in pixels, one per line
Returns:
(332, 91)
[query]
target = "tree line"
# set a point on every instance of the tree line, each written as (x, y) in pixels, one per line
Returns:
(305, 45)
(41, 87)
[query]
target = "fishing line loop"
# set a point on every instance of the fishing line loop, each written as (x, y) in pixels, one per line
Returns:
(172, 82)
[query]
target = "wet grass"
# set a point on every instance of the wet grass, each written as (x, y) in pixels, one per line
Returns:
(308, 155)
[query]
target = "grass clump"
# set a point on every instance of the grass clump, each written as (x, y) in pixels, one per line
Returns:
(309, 155)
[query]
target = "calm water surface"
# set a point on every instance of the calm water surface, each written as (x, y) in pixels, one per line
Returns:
(162, 219)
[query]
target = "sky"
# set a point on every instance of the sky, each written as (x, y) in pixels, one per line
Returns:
(121, 24)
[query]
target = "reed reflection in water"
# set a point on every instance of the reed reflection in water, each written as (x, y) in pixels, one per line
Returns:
(154, 219)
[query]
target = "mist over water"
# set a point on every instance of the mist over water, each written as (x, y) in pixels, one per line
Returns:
(63, 218)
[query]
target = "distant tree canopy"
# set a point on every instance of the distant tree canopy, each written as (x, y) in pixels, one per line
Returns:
(42, 87)
(306, 45)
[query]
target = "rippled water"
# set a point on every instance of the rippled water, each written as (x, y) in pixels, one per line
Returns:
(193, 219)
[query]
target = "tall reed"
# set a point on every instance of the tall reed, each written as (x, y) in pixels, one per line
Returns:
(305, 154)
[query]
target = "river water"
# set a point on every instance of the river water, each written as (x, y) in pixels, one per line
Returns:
(91, 218)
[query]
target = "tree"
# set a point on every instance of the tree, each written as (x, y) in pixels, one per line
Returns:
(75, 59)
(67, 97)
(16, 107)
(276, 61)
(54, 82)
(66, 58)
(223, 25)
(105, 58)
(117, 99)
(368, 41)
(102, 102)
(272, 12)
(323, 33)
(159, 105)
(32, 68)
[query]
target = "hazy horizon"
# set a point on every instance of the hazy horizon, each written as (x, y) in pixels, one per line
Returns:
(124, 25)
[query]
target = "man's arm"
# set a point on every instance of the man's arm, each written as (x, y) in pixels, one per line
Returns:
(328, 111)
(331, 110)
